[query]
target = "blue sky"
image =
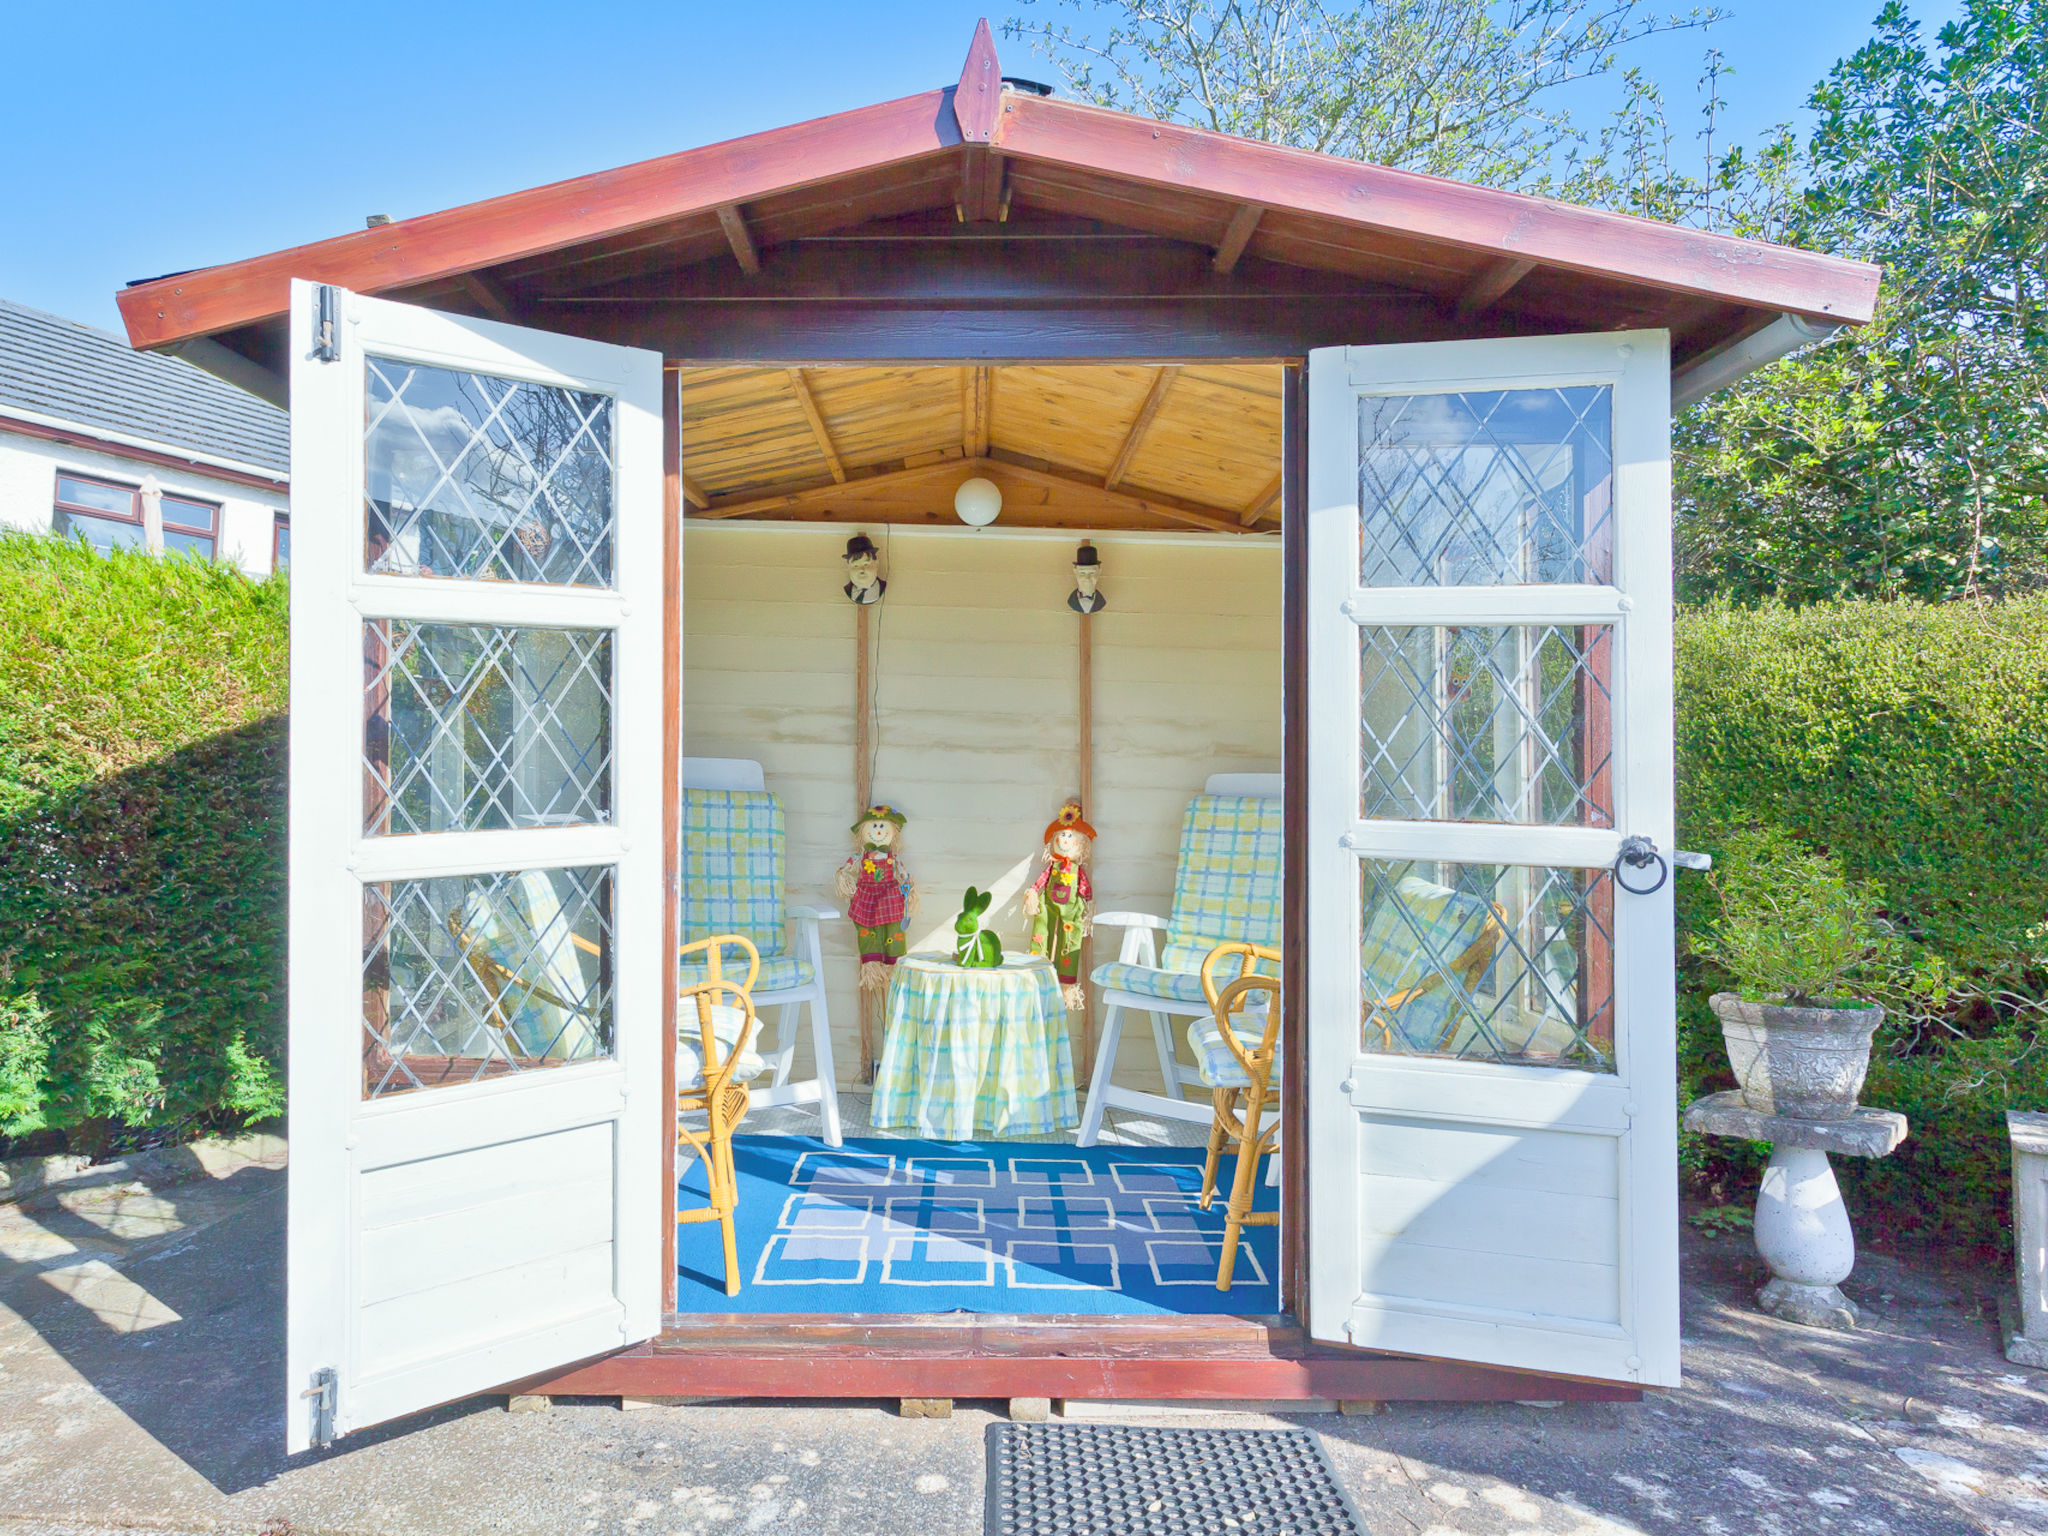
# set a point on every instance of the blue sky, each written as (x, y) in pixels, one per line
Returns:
(151, 138)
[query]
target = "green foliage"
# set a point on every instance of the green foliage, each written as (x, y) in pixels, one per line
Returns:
(24, 1061)
(1907, 458)
(1906, 742)
(1789, 924)
(1720, 1220)
(142, 758)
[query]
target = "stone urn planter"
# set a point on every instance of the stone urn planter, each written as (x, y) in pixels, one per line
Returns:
(1803, 1063)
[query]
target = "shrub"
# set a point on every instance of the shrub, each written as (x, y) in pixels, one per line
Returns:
(1908, 744)
(1790, 924)
(142, 758)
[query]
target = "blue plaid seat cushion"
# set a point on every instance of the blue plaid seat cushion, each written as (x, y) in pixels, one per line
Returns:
(778, 972)
(732, 867)
(1146, 981)
(1428, 937)
(1218, 1067)
(726, 1024)
(1226, 883)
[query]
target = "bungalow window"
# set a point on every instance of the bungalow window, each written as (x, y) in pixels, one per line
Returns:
(106, 514)
(190, 525)
(281, 543)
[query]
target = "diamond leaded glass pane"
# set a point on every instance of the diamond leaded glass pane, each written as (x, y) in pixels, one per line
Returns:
(467, 977)
(1501, 963)
(470, 727)
(1488, 488)
(484, 478)
(1510, 723)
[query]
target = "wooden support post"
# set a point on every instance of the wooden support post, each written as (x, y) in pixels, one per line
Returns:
(1085, 751)
(863, 797)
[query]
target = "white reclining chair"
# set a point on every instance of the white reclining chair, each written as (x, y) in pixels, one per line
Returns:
(1226, 889)
(732, 883)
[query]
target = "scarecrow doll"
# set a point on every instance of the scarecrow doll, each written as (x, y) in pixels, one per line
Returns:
(879, 896)
(1057, 901)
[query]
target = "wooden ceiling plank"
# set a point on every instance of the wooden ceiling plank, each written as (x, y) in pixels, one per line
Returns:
(1237, 237)
(737, 236)
(1492, 284)
(1261, 504)
(1162, 382)
(1214, 519)
(808, 404)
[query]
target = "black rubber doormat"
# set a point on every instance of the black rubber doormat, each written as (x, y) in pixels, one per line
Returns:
(1117, 1480)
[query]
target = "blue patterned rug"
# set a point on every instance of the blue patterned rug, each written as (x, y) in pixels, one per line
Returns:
(927, 1226)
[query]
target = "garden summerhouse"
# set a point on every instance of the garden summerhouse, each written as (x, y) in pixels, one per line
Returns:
(936, 463)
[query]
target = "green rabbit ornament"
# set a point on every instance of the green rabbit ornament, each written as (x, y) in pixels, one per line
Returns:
(979, 948)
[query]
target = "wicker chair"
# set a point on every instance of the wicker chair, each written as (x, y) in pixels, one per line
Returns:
(715, 1059)
(1241, 1072)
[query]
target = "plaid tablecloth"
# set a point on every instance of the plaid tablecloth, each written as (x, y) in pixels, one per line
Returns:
(969, 1053)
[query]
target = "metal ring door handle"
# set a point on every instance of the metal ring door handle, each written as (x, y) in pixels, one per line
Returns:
(1640, 853)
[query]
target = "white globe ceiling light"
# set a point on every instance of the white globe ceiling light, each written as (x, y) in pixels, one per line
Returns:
(978, 502)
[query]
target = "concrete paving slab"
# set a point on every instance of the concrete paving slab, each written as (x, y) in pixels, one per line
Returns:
(140, 1371)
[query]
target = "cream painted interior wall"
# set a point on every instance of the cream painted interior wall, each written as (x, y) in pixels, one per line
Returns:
(976, 691)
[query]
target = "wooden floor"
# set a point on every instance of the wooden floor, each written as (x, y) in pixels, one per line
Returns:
(997, 1356)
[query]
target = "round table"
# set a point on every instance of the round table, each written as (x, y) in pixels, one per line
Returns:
(975, 1052)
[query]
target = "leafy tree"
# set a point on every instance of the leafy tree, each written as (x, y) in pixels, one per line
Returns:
(1465, 88)
(1907, 458)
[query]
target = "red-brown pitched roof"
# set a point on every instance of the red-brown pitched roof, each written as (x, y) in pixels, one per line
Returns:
(977, 148)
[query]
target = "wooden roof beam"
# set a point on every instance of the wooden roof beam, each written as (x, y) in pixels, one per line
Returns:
(490, 296)
(739, 238)
(1262, 504)
(1491, 285)
(814, 497)
(693, 491)
(1154, 399)
(1237, 237)
(977, 409)
(808, 404)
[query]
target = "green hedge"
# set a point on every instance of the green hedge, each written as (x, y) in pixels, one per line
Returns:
(1911, 742)
(142, 770)
(142, 833)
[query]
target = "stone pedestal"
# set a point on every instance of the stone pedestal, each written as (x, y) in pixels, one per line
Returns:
(1802, 1227)
(2026, 1326)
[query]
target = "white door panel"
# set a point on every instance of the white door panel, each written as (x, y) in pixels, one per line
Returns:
(1492, 1127)
(475, 972)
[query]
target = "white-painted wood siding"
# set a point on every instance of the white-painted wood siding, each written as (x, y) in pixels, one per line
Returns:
(975, 708)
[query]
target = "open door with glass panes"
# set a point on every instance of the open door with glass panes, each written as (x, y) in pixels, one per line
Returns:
(1491, 1061)
(476, 874)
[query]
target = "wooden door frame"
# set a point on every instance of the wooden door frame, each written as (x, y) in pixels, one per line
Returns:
(1294, 764)
(853, 1355)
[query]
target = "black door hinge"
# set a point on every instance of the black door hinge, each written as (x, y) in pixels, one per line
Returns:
(325, 1388)
(326, 336)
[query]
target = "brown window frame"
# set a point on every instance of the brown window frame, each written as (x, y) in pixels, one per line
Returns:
(133, 493)
(211, 533)
(280, 532)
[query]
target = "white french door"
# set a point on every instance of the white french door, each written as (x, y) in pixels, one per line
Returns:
(475, 966)
(1492, 1070)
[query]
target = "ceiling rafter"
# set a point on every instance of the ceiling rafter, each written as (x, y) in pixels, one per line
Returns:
(739, 238)
(996, 465)
(1261, 505)
(808, 404)
(1155, 397)
(977, 409)
(1237, 236)
(491, 296)
(694, 493)
(1491, 285)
